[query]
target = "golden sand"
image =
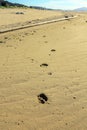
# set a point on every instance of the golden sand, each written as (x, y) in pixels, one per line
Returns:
(62, 46)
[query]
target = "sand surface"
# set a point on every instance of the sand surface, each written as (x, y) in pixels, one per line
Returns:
(63, 47)
(9, 16)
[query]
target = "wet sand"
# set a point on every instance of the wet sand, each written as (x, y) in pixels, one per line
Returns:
(49, 59)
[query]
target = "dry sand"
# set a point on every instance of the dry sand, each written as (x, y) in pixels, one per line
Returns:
(64, 80)
(9, 16)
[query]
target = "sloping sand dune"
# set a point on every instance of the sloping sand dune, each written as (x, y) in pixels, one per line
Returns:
(63, 47)
(9, 16)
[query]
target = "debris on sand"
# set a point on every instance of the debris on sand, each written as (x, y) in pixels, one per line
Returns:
(5, 37)
(66, 16)
(19, 13)
(42, 98)
(1, 42)
(44, 65)
(44, 35)
(49, 73)
(53, 50)
(74, 97)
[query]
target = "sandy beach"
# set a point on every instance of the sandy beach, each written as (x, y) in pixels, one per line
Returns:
(49, 59)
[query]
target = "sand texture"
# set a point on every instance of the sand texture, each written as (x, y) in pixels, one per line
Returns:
(10, 16)
(49, 59)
